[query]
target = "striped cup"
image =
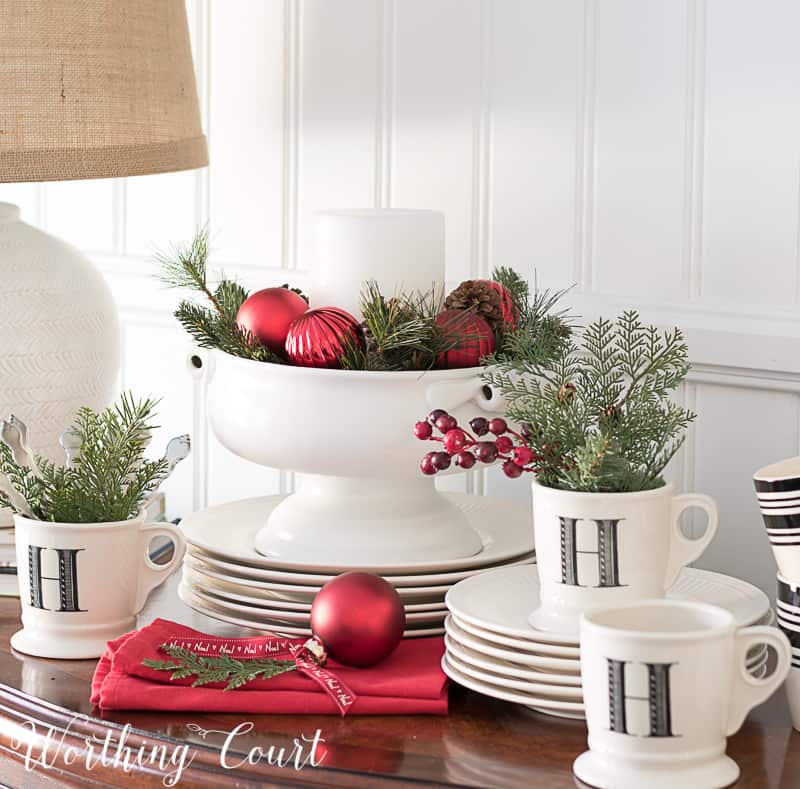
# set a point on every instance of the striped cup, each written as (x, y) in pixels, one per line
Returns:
(778, 492)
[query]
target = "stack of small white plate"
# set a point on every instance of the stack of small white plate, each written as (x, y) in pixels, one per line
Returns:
(491, 648)
(225, 578)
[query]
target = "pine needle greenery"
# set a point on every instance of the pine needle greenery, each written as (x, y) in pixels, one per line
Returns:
(599, 415)
(542, 330)
(109, 479)
(212, 326)
(401, 333)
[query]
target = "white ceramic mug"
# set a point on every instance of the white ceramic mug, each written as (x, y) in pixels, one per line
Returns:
(82, 585)
(609, 549)
(664, 684)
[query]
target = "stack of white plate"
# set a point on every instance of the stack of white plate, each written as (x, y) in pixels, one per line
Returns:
(225, 578)
(491, 648)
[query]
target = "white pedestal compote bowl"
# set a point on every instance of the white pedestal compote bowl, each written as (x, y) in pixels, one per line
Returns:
(362, 502)
(362, 499)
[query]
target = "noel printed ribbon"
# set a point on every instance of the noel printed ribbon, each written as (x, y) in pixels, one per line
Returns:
(215, 659)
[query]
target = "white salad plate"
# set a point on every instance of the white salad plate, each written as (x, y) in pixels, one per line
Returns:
(556, 665)
(244, 570)
(565, 692)
(221, 611)
(228, 532)
(533, 701)
(499, 601)
(505, 668)
(551, 650)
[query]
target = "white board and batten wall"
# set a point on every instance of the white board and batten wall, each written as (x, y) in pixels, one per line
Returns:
(646, 150)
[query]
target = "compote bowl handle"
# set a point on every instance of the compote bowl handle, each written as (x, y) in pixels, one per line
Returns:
(450, 395)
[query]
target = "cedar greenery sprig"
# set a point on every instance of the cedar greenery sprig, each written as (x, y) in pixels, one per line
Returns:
(222, 668)
(214, 326)
(110, 478)
(599, 416)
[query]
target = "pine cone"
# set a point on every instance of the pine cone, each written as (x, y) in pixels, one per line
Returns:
(478, 296)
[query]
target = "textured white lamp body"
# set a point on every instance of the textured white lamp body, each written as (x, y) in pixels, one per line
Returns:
(59, 334)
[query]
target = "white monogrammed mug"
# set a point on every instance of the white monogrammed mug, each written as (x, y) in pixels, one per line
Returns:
(82, 585)
(609, 549)
(664, 684)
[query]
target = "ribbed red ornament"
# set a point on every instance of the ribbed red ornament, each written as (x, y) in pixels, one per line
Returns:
(478, 338)
(510, 311)
(359, 617)
(320, 336)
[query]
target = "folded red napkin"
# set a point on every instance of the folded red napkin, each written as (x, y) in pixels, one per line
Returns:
(409, 682)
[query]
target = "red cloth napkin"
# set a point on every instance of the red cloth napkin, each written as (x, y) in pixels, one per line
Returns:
(409, 682)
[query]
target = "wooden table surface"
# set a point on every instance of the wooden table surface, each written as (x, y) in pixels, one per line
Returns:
(482, 743)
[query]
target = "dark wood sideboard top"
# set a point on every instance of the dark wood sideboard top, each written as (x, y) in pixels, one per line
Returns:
(482, 743)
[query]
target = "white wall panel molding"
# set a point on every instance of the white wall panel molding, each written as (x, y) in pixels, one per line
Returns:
(585, 154)
(693, 149)
(385, 101)
(292, 86)
(481, 146)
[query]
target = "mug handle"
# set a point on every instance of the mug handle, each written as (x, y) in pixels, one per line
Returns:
(749, 691)
(153, 574)
(682, 549)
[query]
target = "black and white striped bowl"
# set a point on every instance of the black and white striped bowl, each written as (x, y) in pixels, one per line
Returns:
(778, 493)
(788, 596)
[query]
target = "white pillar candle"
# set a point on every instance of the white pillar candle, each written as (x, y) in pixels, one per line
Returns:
(401, 249)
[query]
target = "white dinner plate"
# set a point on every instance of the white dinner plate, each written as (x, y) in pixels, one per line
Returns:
(433, 618)
(245, 570)
(249, 594)
(501, 600)
(507, 669)
(557, 665)
(531, 700)
(205, 605)
(228, 531)
(301, 592)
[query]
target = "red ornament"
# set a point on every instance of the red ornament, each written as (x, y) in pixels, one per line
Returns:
(320, 336)
(510, 311)
(268, 313)
(359, 617)
(478, 338)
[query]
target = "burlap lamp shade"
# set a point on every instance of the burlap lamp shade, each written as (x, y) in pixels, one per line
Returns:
(96, 89)
(88, 89)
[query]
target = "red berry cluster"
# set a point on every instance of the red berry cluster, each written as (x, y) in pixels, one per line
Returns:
(490, 440)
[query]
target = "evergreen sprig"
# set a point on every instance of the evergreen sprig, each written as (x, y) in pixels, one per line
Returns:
(110, 478)
(600, 414)
(222, 668)
(542, 329)
(214, 326)
(401, 333)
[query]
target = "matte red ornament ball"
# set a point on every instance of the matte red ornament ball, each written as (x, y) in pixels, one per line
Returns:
(510, 311)
(268, 313)
(478, 338)
(359, 617)
(319, 337)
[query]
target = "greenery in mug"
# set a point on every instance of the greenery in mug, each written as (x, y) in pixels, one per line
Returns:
(599, 414)
(109, 479)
